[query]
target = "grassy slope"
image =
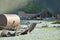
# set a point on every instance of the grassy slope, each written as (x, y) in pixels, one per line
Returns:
(38, 34)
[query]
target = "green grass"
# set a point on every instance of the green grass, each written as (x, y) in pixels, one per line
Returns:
(38, 34)
(45, 33)
(51, 20)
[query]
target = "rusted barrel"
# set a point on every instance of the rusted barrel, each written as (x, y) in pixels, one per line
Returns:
(9, 20)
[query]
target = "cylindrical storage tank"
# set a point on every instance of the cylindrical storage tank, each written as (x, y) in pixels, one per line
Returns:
(9, 20)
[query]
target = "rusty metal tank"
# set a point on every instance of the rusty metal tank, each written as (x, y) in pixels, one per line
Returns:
(9, 20)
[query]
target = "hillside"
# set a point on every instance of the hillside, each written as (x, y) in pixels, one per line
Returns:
(37, 5)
